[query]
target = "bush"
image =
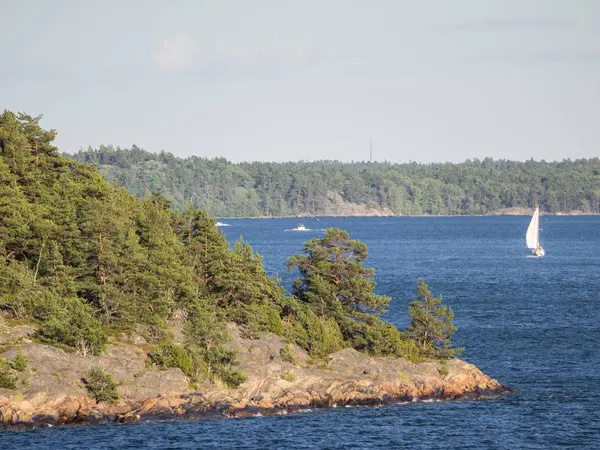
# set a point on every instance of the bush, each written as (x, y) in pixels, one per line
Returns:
(407, 348)
(214, 361)
(232, 377)
(101, 386)
(71, 325)
(316, 335)
(155, 331)
(219, 362)
(443, 370)
(264, 317)
(287, 354)
(204, 327)
(20, 362)
(289, 376)
(7, 379)
(172, 355)
(380, 338)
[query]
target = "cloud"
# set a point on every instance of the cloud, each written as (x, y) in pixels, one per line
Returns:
(538, 57)
(177, 54)
(507, 24)
(257, 57)
(183, 55)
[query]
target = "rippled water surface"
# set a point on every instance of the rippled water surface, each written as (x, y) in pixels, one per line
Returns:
(533, 324)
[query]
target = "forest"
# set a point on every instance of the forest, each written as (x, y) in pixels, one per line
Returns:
(85, 261)
(266, 189)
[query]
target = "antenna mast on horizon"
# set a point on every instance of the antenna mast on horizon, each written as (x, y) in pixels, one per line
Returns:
(370, 150)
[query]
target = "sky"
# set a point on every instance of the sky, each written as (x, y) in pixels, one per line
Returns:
(283, 80)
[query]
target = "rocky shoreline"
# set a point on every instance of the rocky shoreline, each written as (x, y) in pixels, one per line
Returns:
(164, 409)
(53, 394)
(374, 212)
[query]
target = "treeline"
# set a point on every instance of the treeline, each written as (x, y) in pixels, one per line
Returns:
(84, 260)
(255, 189)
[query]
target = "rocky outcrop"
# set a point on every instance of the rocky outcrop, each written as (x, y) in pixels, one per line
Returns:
(51, 390)
(335, 205)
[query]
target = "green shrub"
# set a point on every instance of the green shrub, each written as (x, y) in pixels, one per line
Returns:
(380, 338)
(220, 362)
(101, 386)
(206, 334)
(215, 362)
(72, 326)
(155, 331)
(443, 370)
(232, 377)
(316, 335)
(20, 362)
(407, 348)
(205, 327)
(324, 337)
(264, 317)
(7, 379)
(287, 354)
(288, 375)
(172, 355)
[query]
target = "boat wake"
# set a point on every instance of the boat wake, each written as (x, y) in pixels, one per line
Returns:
(300, 227)
(303, 228)
(221, 224)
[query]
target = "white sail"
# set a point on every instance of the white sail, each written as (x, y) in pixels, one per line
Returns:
(533, 231)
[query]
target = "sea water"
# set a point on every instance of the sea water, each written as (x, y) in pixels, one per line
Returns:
(531, 323)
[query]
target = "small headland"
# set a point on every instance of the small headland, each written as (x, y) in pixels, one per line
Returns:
(281, 379)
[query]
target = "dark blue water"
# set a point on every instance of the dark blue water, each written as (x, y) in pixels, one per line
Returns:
(533, 324)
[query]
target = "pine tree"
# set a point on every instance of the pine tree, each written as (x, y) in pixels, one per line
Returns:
(335, 284)
(333, 278)
(431, 323)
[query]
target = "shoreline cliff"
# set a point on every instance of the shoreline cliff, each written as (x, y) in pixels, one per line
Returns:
(52, 391)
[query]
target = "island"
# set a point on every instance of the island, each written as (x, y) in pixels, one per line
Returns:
(336, 188)
(119, 309)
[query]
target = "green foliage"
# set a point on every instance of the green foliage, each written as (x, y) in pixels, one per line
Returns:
(220, 362)
(256, 189)
(101, 386)
(337, 288)
(233, 378)
(7, 379)
(173, 355)
(264, 317)
(205, 335)
(69, 323)
(431, 324)
(319, 336)
(443, 369)
(380, 338)
(289, 376)
(20, 363)
(287, 354)
(333, 278)
(80, 258)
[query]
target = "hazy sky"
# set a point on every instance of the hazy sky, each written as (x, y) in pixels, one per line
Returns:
(280, 80)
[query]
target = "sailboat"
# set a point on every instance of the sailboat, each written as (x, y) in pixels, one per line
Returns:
(532, 237)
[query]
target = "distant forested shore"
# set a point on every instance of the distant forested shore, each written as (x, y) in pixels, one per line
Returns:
(334, 188)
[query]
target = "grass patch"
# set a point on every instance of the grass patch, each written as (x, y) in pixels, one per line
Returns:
(289, 376)
(443, 370)
(287, 354)
(404, 378)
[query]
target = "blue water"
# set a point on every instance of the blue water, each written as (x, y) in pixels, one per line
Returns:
(533, 324)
